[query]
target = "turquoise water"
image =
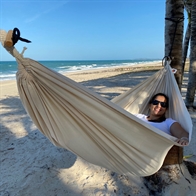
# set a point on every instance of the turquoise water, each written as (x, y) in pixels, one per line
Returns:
(8, 69)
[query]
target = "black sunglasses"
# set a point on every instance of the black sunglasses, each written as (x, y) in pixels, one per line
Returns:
(163, 104)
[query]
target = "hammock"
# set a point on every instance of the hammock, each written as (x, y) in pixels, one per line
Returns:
(103, 132)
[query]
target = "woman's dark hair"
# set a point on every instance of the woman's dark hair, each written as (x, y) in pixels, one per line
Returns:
(162, 118)
(160, 94)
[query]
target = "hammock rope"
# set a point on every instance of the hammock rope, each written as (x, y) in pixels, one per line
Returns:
(176, 21)
(16, 37)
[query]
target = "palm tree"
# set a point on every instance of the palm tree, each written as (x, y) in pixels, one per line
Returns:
(192, 70)
(187, 4)
(174, 27)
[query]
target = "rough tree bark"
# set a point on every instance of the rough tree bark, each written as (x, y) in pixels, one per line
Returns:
(174, 26)
(190, 95)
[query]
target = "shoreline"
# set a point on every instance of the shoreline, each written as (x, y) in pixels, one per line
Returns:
(9, 87)
(129, 67)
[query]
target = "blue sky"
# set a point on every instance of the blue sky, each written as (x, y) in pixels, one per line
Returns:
(86, 30)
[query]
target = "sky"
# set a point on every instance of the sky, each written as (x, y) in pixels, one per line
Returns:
(86, 29)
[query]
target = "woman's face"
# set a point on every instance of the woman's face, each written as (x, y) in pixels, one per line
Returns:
(155, 108)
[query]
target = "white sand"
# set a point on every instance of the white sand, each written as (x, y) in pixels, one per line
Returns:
(31, 166)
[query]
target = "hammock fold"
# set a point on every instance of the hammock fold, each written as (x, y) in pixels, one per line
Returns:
(103, 132)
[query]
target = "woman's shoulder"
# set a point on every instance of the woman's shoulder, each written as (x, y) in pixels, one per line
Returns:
(170, 120)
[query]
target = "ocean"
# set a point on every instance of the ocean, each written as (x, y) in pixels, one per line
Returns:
(8, 69)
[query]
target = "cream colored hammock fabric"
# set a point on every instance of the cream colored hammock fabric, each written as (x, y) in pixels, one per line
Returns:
(100, 131)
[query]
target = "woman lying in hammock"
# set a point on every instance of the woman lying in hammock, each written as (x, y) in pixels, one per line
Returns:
(158, 106)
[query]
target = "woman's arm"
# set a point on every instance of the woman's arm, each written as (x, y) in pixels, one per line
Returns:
(182, 135)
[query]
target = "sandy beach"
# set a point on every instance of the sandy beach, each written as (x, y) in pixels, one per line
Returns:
(32, 166)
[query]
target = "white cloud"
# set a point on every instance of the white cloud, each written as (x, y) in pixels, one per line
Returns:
(33, 18)
(47, 11)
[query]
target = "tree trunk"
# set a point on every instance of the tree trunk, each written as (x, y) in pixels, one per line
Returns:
(192, 70)
(174, 26)
(185, 47)
(188, 4)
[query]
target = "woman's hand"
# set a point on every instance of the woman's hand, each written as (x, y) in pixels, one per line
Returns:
(179, 132)
(183, 141)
